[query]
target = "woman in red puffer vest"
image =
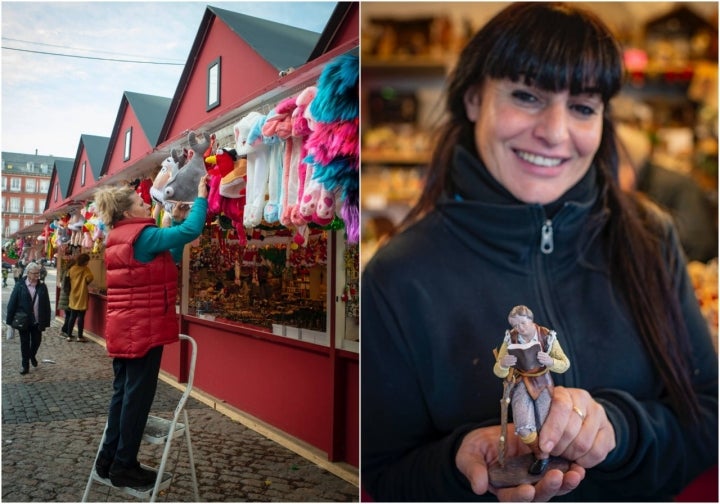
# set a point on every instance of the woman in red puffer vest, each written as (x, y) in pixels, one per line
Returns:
(141, 291)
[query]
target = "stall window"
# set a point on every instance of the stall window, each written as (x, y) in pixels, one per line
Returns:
(213, 84)
(82, 173)
(269, 283)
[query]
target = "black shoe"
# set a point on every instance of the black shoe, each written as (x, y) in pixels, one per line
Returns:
(102, 466)
(539, 466)
(33, 361)
(133, 477)
(24, 370)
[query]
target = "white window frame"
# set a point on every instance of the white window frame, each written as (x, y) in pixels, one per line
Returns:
(213, 84)
(128, 144)
(30, 185)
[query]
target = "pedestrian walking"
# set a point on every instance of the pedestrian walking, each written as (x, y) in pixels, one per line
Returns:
(31, 298)
(80, 277)
(18, 271)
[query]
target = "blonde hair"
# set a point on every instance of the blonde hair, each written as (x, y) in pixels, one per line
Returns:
(112, 202)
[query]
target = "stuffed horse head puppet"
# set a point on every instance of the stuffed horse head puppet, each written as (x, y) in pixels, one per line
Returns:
(168, 169)
(182, 187)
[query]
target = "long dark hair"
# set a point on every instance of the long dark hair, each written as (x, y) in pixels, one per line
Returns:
(559, 47)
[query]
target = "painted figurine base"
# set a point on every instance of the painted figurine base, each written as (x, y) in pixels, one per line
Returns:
(515, 471)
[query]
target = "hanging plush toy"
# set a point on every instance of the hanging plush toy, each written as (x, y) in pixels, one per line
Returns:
(143, 189)
(333, 145)
(77, 221)
(183, 186)
(168, 169)
(256, 185)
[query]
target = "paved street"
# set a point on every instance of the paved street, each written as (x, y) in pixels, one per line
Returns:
(52, 421)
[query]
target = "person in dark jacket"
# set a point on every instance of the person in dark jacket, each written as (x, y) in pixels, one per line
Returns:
(141, 283)
(674, 191)
(30, 296)
(521, 206)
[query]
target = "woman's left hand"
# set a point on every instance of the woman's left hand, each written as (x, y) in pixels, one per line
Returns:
(180, 211)
(577, 428)
(479, 449)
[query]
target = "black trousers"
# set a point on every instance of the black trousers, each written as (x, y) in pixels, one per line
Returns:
(133, 393)
(79, 316)
(29, 343)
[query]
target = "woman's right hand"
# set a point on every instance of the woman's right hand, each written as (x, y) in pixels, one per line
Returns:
(203, 187)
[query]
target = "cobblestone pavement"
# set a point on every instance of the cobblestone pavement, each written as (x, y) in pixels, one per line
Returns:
(53, 418)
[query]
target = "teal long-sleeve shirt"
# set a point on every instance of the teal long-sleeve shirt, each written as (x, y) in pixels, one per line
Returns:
(154, 240)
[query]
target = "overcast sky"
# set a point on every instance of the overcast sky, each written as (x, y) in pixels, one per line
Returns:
(48, 100)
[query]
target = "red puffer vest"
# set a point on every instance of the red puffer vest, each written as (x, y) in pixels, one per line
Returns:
(140, 296)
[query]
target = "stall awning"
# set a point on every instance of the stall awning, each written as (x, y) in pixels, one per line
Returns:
(56, 213)
(32, 229)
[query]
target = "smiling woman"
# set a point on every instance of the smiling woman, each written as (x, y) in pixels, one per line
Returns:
(521, 207)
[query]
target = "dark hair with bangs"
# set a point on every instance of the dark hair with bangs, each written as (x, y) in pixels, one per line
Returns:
(549, 45)
(559, 47)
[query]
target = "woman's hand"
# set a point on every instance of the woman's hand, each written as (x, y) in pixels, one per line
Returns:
(203, 187)
(479, 449)
(577, 428)
(180, 211)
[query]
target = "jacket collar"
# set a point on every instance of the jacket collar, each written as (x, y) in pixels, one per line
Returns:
(490, 220)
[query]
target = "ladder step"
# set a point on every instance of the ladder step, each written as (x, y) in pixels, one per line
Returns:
(157, 429)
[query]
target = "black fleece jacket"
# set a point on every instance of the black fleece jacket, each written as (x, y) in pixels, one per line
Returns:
(434, 303)
(20, 300)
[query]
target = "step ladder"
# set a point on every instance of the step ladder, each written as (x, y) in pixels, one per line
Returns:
(159, 431)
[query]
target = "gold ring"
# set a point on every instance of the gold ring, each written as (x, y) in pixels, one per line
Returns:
(580, 413)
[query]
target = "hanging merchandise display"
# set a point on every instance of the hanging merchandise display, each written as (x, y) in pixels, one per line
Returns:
(333, 145)
(290, 178)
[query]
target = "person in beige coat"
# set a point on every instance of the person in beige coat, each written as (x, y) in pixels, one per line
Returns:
(80, 277)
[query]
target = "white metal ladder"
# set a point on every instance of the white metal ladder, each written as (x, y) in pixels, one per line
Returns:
(159, 431)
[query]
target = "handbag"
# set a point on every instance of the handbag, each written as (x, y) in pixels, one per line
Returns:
(21, 321)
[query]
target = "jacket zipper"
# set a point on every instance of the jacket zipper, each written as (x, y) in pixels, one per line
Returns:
(546, 238)
(547, 246)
